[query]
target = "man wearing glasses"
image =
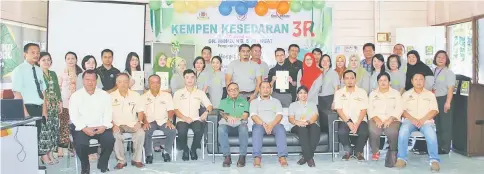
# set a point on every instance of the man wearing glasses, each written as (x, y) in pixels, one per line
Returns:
(234, 111)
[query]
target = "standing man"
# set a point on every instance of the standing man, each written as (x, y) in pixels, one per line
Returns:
(368, 52)
(351, 103)
(207, 56)
(187, 103)
(246, 73)
(127, 118)
(294, 66)
(255, 54)
(91, 114)
(284, 96)
(158, 111)
(399, 49)
(107, 71)
(28, 84)
(235, 112)
(419, 109)
(266, 112)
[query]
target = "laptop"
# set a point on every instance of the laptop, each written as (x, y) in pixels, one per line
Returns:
(12, 110)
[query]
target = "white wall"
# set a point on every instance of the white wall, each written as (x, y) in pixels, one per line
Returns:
(449, 11)
(357, 22)
(33, 12)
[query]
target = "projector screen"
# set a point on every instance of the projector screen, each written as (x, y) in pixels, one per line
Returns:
(87, 28)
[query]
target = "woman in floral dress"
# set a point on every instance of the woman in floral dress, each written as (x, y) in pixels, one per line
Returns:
(67, 82)
(49, 137)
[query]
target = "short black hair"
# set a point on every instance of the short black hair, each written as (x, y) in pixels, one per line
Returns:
(280, 49)
(265, 82)
(369, 45)
(403, 46)
(321, 60)
(107, 51)
(232, 83)
(302, 88)
(199, 58)
(153, 75)
(420, 73)
(243, 45)
(90, 71)
(398, 61)
(122, 74)
(317, 50)
(85, 59)
(207, 48)
(42, 54)
(27, 46)
(447, 60)
(383, 74)
(219, 59)
(189, 71)
(293, 45)
(256, 45)
(348, 71)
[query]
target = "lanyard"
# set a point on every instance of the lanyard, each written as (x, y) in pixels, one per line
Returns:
(437, 75)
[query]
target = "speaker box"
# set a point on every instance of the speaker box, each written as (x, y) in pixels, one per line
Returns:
(468, 127)
(147, 54)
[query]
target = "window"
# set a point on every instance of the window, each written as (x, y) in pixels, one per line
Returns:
(480, 51)
(460, 48)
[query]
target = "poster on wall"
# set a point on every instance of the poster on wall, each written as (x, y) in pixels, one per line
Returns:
(225, 25)
(13, 38)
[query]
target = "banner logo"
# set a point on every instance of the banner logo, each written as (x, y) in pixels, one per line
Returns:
(202, 15)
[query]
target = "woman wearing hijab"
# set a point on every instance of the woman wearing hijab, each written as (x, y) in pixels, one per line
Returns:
(160, 65)
(415, 65)
(362, 76)
(177, 81)
(309, 72)
(340, 68)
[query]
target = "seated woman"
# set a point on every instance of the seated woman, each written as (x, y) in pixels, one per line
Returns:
(304, 116)
(384, 111)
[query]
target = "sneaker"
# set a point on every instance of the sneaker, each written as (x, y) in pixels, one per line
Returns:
(346, 157)
(241, 161)
(375, 156)
(257, 162)
(400, 164)
(283, 161)
(227, 161)
(434, 166)
(360, 156)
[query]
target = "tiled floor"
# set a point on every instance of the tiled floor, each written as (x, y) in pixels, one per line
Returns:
(452, 163)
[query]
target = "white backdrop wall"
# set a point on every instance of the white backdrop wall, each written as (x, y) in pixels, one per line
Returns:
(87, 28)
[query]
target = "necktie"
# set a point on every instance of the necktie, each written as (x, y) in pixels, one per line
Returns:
(37, 83)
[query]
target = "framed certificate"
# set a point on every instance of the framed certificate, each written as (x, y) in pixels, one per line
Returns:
(139, 80)
(282, 82)
(165, 83)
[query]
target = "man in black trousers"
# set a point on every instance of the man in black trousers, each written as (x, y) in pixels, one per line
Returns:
(91, 113)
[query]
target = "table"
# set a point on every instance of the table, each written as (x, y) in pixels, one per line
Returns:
(19, 149)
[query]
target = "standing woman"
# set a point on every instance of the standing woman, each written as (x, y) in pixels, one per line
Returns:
(309, 71)
(49, 133)
(324, 86)
(317, 55)
(362, 76)
(216, 84)
(202, 76)
(304, 116)
(177, 81)
(443, 89)
(160, 65)
(340, 68)
(132, 64)
(88, 63)
(377, 67)
(398, 77)
(67, 81)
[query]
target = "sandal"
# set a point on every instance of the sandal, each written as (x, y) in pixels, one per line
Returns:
(46, 162)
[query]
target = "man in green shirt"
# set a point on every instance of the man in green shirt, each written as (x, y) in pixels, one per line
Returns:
(234, 111)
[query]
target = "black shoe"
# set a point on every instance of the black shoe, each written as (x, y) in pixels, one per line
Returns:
(186, 155)
(311, 163)
(227, 161)
(166, 157)
(104, 170)
(241, 161)
(85, 171)
(149, 159)
(346, 157)
(193, 154)
(443, 152)
(301, 161)
(42, 168)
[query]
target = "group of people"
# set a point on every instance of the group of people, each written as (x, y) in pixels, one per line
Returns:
(98, 103)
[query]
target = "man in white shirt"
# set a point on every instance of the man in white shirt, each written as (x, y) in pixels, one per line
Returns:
(158, 111)
(126, 107)
(91, 113)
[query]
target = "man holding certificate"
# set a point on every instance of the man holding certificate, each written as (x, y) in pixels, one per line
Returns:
(282, 86)
(234, 111)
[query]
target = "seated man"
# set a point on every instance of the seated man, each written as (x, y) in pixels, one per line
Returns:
(384, 111)
(234, 111)
(351, 102)
(187, 103)
(266, 112)
(419, 110)
(91, 113)
(126, 105)
(158, 111)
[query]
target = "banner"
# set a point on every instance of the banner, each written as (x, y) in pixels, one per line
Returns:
(13, 38)
(224, 25)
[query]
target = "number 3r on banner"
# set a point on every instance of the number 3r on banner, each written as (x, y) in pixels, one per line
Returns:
(302, 29)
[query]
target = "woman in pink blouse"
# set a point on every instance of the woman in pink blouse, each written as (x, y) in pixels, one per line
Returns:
(67, 82)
